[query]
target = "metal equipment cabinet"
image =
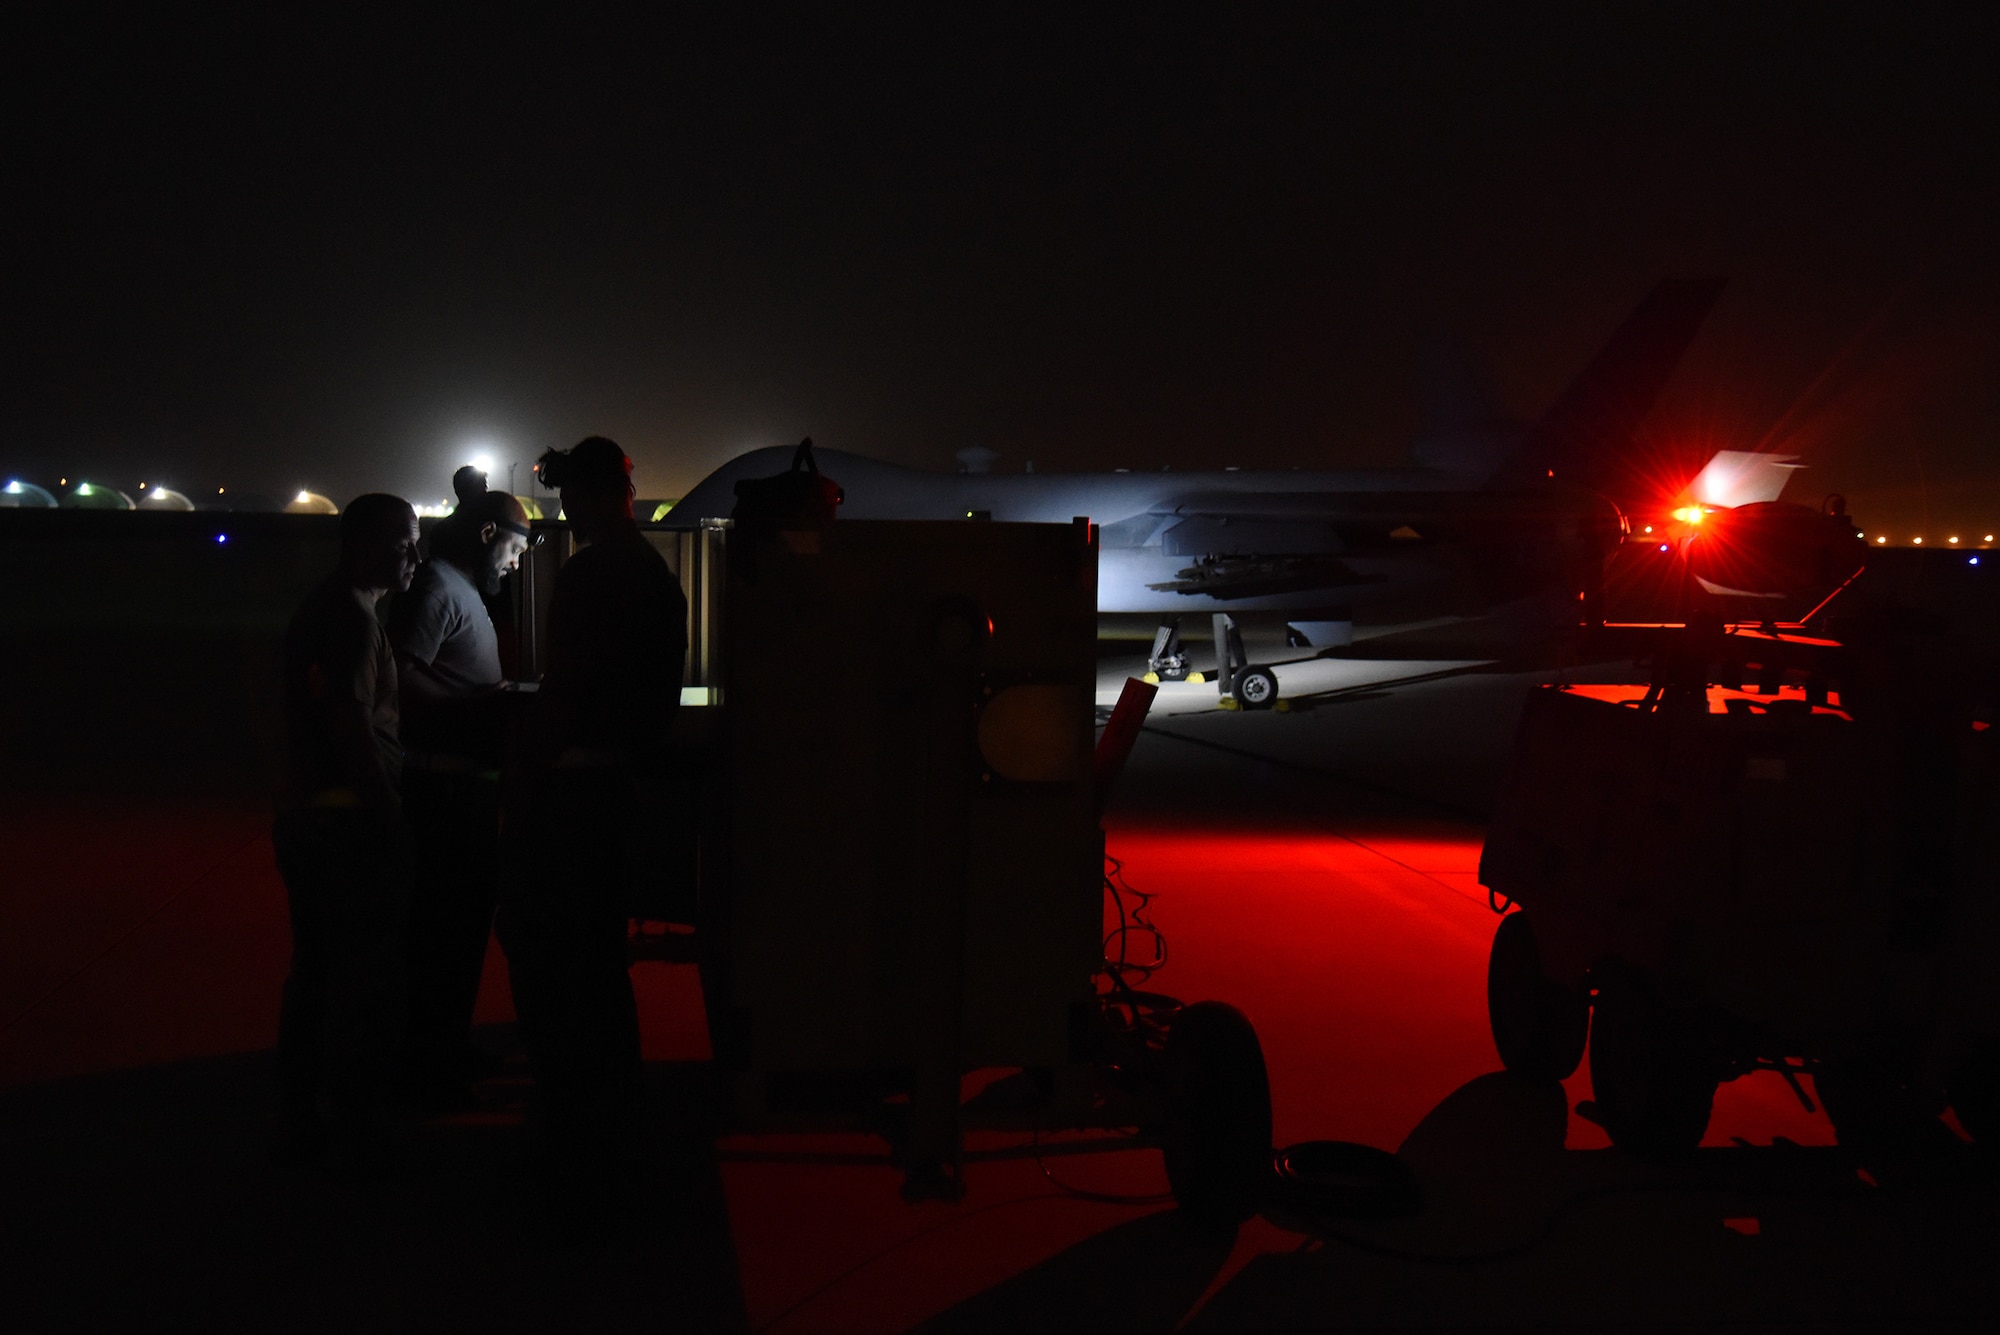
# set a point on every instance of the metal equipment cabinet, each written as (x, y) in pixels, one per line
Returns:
(912, 887)
(899, 872)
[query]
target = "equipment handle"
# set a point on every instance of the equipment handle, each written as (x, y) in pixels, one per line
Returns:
(1115, 746)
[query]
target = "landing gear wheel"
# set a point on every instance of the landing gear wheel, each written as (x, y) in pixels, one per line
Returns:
(1256, 687)
(1653, 1083)
(1218, 1105)
(1539, 1027)
(1172, 671)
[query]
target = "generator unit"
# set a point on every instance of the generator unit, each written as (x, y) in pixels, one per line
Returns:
(1778, 851)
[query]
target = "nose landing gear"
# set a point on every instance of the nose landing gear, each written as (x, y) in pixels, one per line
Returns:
(1169, 660)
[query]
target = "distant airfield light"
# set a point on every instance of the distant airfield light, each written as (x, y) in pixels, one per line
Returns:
(1987, 538)
(1649, 528)
(1666, 547)
(18, 494)
(1973, 561)
(164, 497)
(218, 491)
(1880, 541)
(224, 537)
(1953, 540)
(1919, 542)
(303, 497)
(142, 487)
(96, 496)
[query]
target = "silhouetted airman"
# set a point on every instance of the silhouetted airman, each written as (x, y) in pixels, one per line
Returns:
(341, 843)
(617, 644)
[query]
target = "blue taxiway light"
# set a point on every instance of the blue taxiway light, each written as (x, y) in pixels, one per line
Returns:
(222, 537)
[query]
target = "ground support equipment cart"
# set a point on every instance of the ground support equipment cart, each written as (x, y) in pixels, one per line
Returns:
(1782, 853)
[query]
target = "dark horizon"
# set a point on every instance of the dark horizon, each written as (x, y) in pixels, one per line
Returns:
(270, 257)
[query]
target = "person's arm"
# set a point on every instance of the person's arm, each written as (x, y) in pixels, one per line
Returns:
(419, 681)
(351, 726)
(548, 720)
(348, 713)
(419, 621)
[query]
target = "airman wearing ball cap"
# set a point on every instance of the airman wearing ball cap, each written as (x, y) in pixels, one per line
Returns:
(617, 641)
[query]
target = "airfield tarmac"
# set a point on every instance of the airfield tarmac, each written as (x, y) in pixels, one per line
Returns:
(1316, 868)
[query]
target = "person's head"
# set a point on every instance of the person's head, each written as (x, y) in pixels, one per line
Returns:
(595, 479)
(378, 542)
(468, 483)
(495, 531)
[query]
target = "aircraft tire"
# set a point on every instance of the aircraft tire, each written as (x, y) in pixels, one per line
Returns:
(1651, 1078)
(1218, 1115)
(1256, 687)
(1539, 1026)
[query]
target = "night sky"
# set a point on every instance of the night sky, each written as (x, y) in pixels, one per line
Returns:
(269, 256)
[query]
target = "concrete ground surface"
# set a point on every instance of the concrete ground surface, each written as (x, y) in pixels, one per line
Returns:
(1317, 869)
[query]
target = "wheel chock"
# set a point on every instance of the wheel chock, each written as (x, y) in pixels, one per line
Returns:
(1194, 678)
(1228, 702)
(1151, 678)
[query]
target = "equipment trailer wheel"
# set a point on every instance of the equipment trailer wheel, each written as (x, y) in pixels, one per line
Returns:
(1218, 1106)
(1539, 1027)
(1653, 1083)
(1256, 687)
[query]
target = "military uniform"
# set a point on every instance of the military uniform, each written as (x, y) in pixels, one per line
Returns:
(451, 792)
(617, 644)
(344, 855)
